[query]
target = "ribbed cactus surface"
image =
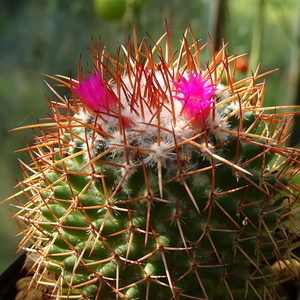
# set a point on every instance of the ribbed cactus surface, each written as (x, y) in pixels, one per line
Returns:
(160, 177)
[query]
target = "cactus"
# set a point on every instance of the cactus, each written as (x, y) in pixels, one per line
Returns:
(160, 177)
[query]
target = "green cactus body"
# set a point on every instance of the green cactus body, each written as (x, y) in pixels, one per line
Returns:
(135, 198)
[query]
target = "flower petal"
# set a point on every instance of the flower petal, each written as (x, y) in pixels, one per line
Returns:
(196, 97)
(94, 94)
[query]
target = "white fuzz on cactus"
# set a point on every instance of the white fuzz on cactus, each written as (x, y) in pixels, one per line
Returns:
(161, 177)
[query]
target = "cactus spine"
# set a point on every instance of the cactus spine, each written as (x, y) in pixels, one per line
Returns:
(160, 179)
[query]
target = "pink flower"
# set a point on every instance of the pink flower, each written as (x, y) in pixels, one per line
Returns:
(94, 94)
(196, 97)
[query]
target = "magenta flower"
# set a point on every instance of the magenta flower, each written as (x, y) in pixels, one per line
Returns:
(196, 97)
(94, 94)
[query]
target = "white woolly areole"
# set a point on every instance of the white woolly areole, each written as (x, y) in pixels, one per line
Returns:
(221, 92)
(148, 124)
(218, 127)
(160, 152)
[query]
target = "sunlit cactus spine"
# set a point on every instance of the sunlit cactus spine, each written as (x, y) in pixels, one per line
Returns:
(161, 177)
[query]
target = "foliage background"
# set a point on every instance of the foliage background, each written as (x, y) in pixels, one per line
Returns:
(47, 37)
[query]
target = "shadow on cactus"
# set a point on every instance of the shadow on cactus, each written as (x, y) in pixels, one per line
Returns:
(161, 177)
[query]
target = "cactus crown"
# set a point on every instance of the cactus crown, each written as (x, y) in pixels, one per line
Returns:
(160, 178)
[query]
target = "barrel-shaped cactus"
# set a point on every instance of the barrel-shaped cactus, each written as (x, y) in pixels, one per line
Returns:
(161, 177)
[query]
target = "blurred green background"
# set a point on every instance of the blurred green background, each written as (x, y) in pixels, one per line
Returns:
(47, 37)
